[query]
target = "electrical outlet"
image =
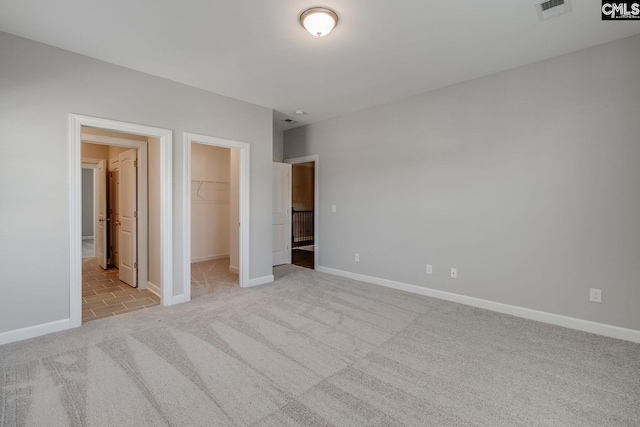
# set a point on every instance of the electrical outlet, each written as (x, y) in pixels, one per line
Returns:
(429, 269)
(595, 295)
(454, 273)
(333, 208)
(357, 257)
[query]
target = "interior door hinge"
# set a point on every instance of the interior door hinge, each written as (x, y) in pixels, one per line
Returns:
(135, 214)
(135, 264)
(135, 163)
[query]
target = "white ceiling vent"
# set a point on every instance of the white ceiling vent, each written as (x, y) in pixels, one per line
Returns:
(550, 8)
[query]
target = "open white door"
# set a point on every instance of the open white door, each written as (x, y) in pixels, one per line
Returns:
(128, 218)
(101, 214)
(281, 213)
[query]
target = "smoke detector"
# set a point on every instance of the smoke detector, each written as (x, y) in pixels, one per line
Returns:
(547, 9)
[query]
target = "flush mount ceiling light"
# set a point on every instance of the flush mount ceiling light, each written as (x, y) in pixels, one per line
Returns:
(319, 21)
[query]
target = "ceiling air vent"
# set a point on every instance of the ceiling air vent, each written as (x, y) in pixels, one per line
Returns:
(551, 3)
(550, 8)
(290, 122)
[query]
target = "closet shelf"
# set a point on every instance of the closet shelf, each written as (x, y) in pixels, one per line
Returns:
(209, 192)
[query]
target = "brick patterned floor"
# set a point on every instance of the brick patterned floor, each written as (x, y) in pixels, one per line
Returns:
(104, 295)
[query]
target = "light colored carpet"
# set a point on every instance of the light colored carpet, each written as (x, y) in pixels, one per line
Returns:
(313, 349)
(210, 277)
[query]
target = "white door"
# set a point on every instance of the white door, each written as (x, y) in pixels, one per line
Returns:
(281, 213)
(127, 207)
(101, 214)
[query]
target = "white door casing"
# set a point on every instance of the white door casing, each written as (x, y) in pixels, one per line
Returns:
(244, 150)
(281, 240)
(100, 228)
(164, 138)
(127, 225)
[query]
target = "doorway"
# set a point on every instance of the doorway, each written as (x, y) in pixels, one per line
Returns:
(210, 195)
(110, 278)
(214, 219)
(304, 207)
(161, 238)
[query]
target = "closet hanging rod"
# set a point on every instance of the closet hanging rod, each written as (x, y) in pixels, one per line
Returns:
(209, 182)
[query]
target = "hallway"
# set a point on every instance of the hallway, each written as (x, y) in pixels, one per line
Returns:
(104, 295)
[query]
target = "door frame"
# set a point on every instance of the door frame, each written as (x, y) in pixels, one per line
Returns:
(316, 201)
(94, 165)
(142, 188)
(243, 213)
(88, 163)
(165, 137)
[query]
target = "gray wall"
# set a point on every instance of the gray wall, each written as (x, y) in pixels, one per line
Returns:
(527, 181)
(87, 202)
(278, 145)
(40, 86)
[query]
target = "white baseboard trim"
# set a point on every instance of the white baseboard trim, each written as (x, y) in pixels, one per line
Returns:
(209, 258)
(526, 313)
(260, 281)
(234, 269)
(34, 331)
(155, 289)
(87, 237)
(178, 299)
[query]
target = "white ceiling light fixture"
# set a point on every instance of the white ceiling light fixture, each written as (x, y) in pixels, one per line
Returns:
(319, 21)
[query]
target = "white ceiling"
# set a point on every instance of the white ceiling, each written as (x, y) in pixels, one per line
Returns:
(256, 50)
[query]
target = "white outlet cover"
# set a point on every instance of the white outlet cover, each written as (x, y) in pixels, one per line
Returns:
(357, 257)
(454, 273)
(333, 208)
(429, 269)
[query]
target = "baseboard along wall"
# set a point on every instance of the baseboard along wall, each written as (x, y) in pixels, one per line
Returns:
(208, 258)
(155, 289)
(526, 313)
(34, 331)
(260, 281)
